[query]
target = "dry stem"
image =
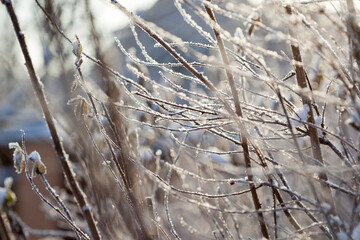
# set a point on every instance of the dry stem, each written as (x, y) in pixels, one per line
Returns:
(63, 157)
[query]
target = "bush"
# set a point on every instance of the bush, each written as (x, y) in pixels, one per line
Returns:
(250, 132)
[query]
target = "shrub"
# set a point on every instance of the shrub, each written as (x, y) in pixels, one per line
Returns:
(250, 132)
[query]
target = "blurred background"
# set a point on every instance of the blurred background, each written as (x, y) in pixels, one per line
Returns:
(54, 62)
(158, 128)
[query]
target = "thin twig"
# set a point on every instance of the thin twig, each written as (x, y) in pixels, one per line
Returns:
(48, 233)
(313, 133)
(58, 199)
(243, 131)
(4, 229)
(62, 156)
(45, 200)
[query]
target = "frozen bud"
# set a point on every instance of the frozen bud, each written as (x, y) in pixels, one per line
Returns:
(158, 152)
(77, 47)
(77, 50)
(7, 197)
(253, 22)
(38, 166)
(18, 156)
(8, 182)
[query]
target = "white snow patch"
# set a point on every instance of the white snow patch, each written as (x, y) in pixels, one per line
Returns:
(301, 114)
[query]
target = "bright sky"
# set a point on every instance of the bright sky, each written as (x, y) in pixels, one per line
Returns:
(107, 19)
(105, 13)
(112, 19)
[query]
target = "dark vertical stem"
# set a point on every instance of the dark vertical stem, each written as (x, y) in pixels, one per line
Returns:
(313, 134)
(275, 216)
(238, 111)
(63, 157)
(301, 81)
(283, 180)
(314, 137)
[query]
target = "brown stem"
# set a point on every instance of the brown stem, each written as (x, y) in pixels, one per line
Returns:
(293, 197)
(313, 134)
(63, 157)
(301, 81)
(4, 229)
(141, 230)
(314, 137)
(238, 111)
